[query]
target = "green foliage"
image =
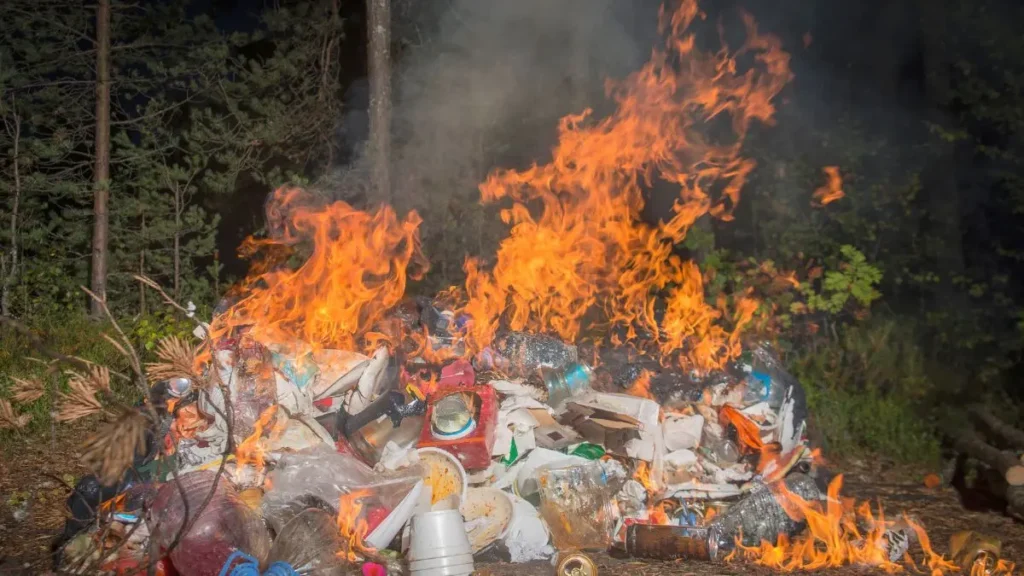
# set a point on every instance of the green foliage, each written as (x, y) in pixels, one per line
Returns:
(150, 329)
(854, 279)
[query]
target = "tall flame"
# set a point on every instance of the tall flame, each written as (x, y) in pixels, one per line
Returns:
(357, 270)
(587, 247)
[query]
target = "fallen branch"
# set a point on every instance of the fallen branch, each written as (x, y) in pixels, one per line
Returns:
(1008, 465)
(1007, 432)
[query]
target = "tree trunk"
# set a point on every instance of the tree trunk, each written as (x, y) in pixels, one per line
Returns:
(379, 23)
(178, 202)
(14, 129)
(101, 170)
(142, 268)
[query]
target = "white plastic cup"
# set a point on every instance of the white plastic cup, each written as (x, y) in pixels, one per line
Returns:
(439, 534)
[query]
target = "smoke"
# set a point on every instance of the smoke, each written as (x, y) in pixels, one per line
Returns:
(480, 84)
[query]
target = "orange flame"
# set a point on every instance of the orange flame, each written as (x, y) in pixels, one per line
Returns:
(835, 537)
(587, 247)
(641, 387)
(250, 451)
(833, 188)
(357, 270)
(643, 476)
(351, 525)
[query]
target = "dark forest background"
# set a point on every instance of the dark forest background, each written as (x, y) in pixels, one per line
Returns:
(910, 301)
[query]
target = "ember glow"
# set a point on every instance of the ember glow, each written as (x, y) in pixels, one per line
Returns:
(833, 188)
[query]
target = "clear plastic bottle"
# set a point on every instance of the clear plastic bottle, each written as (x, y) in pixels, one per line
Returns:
(723, 451)
(564, 384)
(576, 504)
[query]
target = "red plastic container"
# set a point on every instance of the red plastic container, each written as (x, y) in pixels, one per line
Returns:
(474, 449)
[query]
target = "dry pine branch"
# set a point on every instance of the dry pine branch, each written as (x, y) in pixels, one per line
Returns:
(80, 402)
(25, 391)
(111, 450)
(177, 359)
(10, 419)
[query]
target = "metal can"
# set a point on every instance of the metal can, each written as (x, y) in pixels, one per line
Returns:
(575, 564)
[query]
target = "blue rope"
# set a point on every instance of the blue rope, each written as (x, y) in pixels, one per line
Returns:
(250, 566)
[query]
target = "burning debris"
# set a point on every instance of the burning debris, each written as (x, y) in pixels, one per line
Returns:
(326, 421)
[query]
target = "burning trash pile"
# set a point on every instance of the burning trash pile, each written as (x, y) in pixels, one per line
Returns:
(398, 464)
(578, 395)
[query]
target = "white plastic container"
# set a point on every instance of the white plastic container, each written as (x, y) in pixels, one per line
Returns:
(441, 457)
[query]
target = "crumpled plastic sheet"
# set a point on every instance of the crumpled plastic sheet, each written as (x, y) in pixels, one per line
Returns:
(320, 476)
(527, 536)
(759, 516)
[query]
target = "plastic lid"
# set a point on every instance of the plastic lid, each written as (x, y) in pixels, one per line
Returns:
(452, 415)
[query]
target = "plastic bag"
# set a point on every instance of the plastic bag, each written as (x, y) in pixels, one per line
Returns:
(223, 526)
(760, 516)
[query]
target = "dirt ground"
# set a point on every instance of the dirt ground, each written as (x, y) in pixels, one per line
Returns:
(34, 479)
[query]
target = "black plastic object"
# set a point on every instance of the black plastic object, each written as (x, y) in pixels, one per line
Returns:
(388, 404)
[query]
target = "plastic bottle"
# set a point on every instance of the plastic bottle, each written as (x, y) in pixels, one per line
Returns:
(723, 451)
(576, 504)
(564, 384)
(522, 355)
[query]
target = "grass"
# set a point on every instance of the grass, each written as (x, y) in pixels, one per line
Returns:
(74, 335)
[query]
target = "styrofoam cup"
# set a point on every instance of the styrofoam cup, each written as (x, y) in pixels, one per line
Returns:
(438, 534)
